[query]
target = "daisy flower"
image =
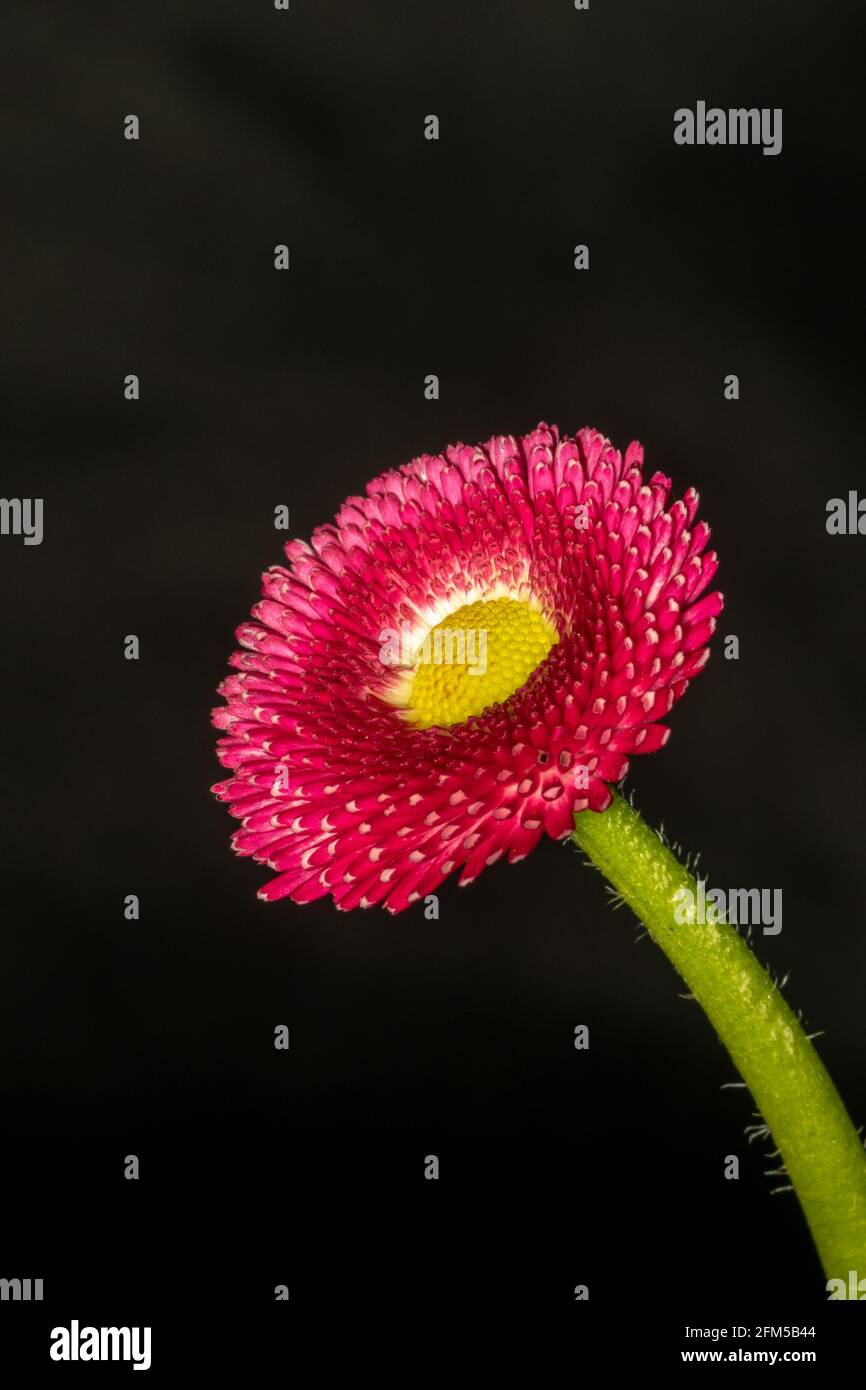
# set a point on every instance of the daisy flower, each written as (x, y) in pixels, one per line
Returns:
(465, 661)
(465, 658)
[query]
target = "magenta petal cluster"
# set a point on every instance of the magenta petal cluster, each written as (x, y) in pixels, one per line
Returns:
(335, 790)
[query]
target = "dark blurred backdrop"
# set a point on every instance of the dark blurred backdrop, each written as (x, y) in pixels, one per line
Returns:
(409, 257)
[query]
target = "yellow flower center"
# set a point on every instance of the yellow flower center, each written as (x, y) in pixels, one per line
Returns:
(476, 658)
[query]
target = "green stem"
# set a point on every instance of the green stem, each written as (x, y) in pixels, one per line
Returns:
(818, 1144)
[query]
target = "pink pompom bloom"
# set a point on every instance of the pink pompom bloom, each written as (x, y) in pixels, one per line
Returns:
(463, 660)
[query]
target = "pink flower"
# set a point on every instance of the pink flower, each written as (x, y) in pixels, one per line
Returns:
(369, 764)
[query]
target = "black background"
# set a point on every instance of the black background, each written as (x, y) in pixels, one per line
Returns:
(408, 1037)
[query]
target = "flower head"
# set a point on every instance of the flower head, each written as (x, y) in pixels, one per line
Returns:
(463, 660)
